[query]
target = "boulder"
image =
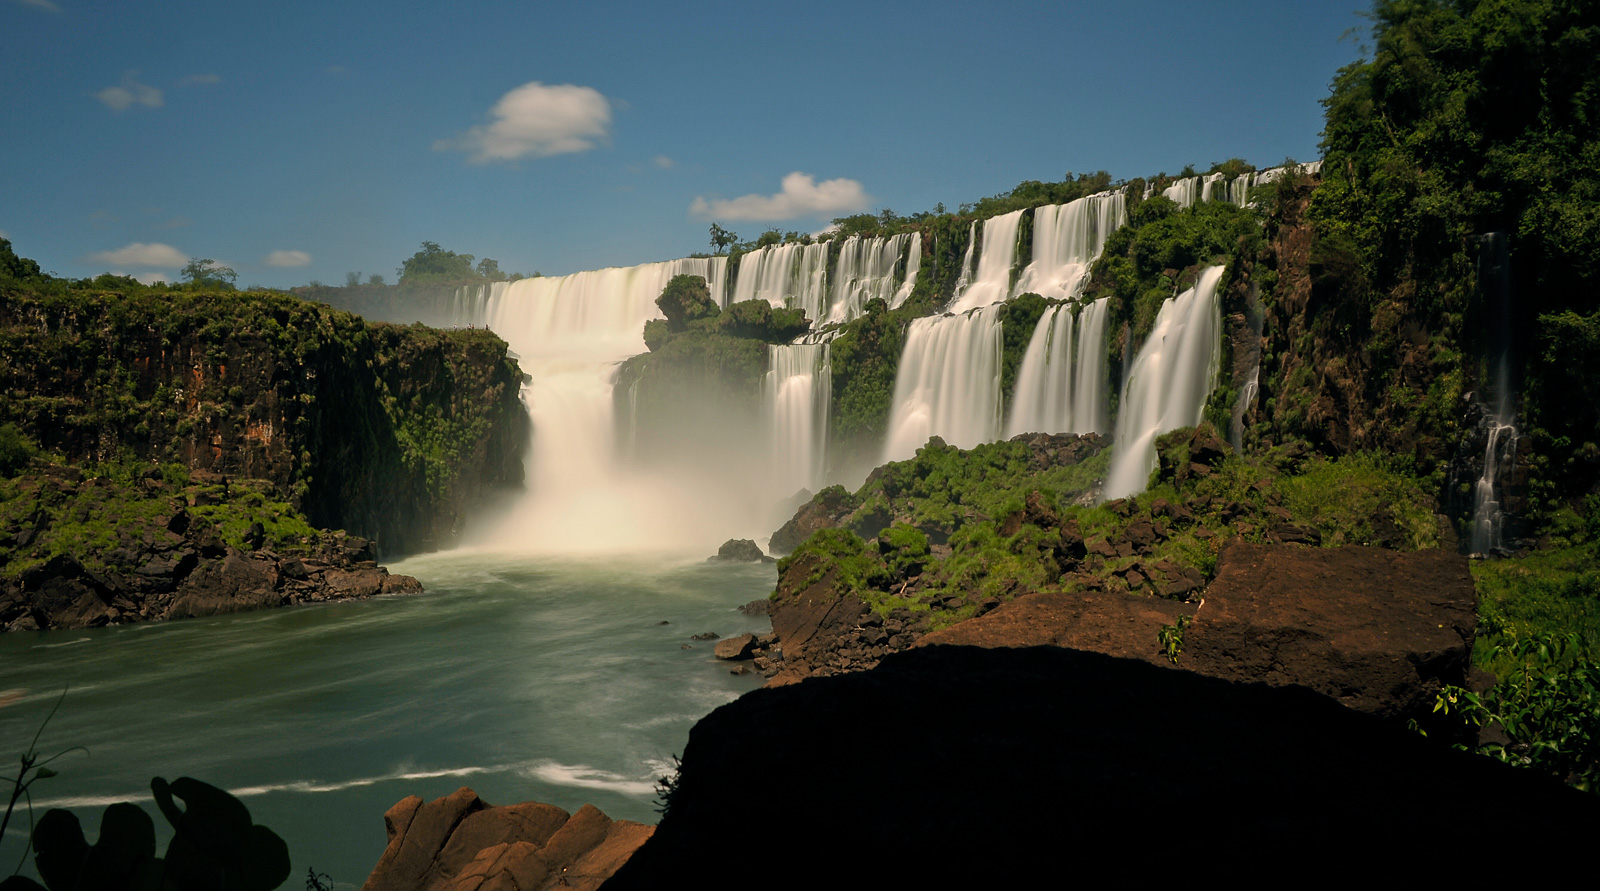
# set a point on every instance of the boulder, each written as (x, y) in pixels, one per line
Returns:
(955, 767)
(740, 550)
(736, 647)
(462, 843)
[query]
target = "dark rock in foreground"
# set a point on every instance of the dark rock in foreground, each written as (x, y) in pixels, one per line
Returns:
(968, 767)
(740, 550)
(462, 843)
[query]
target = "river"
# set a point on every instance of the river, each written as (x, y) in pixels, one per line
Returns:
(560, 679)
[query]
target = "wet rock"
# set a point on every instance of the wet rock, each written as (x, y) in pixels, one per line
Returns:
(740, 550)
(736, 647)
(461, 843)
(705, 635)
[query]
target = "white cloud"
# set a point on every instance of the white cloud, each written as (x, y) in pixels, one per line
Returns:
(287, 258)
(536, 121)
(195, 80)
(41, 4)
(151, 278)
(137, 254)
(664, 162)
(130, 93)
(801, 196)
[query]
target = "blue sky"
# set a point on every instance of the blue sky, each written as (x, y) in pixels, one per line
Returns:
(297, 141)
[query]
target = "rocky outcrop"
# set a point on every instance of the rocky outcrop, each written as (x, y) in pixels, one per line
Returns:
(740, 550)
(462, 843)
(1379, 631)
(388, 431)
(91, 552)
(961, 766)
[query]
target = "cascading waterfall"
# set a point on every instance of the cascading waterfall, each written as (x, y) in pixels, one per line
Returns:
(1067, 239)
(1498, 425)
(948, 384)
(1168, 385)
(1488, 520)
(797, 389)
(866, 270)
(1184, 191)
(569, 334)
(1061, 385)
(990, 281)
(786, 275)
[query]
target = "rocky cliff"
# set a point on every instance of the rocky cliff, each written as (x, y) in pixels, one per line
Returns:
(386, 431)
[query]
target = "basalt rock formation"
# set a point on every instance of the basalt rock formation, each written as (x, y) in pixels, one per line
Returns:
(389, 432)
(462, 843)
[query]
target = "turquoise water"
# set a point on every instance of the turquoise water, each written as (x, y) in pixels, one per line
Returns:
(522, 677)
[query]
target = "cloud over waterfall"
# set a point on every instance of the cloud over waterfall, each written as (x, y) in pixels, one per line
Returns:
(287, 258)
(163, 256)
(130, 93)
(536, 121)
(801, 196)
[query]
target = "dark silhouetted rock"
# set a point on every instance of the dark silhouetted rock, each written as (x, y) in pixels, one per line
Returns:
(954, 767)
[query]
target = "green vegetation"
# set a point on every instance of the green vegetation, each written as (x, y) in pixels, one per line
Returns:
(1158, 253)
(1004, 519)
(1170, 638)
(336, 413)
(1547, 703)
(1456, 126)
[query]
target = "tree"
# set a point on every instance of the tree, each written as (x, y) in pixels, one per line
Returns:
(435, 264)
(722, 239)
(375, 280)
(13, 266)
(209, 273)
(490, 270)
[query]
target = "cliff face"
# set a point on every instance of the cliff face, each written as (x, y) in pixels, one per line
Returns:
(383, 430)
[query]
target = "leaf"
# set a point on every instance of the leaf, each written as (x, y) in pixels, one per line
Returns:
(45, 773)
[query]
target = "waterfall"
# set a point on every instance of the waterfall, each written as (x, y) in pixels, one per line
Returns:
(948, 384)
(1488, 520)
(866, 270)
(1208, 184)
(990, 281)
(791, 274)
(1067, 239)
(569, 334)
(1498, 424)
(1183, 192)
(1061, 385)
(797, 389)
(1169, 382)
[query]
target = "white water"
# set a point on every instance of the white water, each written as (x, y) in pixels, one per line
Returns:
(793, 275)
(1061, 385)
(1067, 239)
(797, 275)
(866, 270)
(797, 391)
(570, 333)
(948, 384)
(990, 281)
(1168, 385)
(1488, 520)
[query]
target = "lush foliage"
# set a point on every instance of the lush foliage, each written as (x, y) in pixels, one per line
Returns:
(1000, 521)
(1458, 125)
(1547, 704)
(319, 402)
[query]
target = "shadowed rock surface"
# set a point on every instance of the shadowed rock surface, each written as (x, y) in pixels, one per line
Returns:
(462, 843)
(950, 765)
(1378, 630)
